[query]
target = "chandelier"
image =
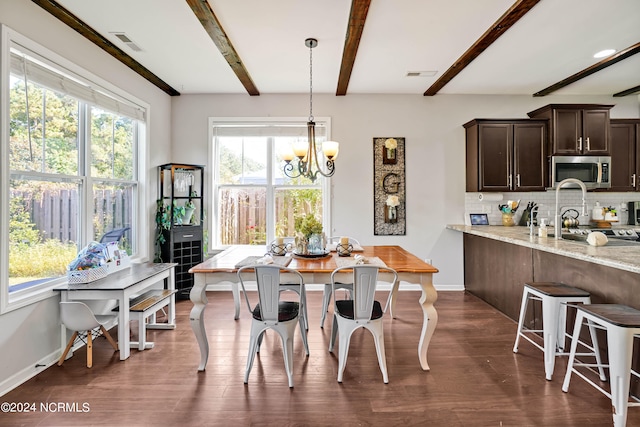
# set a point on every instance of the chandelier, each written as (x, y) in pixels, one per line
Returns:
(306, 152)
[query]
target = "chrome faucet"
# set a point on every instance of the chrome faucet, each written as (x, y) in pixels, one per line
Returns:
(558, 220)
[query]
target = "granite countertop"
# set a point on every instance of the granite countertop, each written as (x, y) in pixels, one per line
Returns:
(620, 257)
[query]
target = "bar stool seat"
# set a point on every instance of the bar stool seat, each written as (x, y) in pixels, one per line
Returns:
(621, 323)
(554, 297)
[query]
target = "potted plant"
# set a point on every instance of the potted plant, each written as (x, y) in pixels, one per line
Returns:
(189, 209)
(309, 238)
(163, 223)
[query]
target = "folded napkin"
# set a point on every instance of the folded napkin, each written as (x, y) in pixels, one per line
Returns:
(267, 259)
(331, 247)
(361, 259)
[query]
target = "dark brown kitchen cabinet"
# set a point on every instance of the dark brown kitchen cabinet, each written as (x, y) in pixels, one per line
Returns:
(625, 154)
(506, 155)
(576, 129)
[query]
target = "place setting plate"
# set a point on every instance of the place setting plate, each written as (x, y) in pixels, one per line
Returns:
(322, 254)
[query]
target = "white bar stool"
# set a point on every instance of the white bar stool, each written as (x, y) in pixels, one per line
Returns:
(621, 323)
(554, 297)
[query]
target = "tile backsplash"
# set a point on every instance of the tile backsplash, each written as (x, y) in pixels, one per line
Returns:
(546, 201)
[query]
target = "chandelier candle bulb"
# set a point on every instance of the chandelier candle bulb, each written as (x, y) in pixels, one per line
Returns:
(300, 149)
(330, 149)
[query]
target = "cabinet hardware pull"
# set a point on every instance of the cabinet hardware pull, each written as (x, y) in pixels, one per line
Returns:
(633, 180)
(588, 145)
(187, 235)
(517, 180)
(580, 144)
(509, 180)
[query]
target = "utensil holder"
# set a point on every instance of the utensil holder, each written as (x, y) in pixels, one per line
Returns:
(507, 219)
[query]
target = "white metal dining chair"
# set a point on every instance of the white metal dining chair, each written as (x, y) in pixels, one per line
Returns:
(272, 313)
(362, 311)
(79, 318)
(326, 293)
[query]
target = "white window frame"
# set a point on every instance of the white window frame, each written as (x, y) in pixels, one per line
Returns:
(211, 190)
(37, 293)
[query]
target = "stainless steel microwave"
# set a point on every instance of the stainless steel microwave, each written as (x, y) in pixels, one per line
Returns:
(594, 171)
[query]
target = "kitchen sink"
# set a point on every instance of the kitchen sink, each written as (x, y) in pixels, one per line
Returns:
(612, 242)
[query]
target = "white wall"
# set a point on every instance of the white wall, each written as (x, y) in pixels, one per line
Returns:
(435, 158)
(31, 335)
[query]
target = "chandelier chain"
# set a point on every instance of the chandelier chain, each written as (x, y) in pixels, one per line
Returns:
(311, 83)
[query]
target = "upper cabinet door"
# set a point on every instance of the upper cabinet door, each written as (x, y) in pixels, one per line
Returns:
(567, 132)
(596, 132)
(495, 160)
(624, 155)
(530, 160)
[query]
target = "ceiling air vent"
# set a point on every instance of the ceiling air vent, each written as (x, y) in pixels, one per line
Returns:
(126, 40)
(421, 73)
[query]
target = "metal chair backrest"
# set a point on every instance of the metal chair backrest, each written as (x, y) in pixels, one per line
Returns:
(268, 284)
(365, 283)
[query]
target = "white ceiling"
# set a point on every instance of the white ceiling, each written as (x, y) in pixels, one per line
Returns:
(555, 40)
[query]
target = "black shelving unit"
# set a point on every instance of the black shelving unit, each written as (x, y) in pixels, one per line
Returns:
(180, 184)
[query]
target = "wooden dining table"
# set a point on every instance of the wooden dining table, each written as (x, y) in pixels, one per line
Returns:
(221, 270)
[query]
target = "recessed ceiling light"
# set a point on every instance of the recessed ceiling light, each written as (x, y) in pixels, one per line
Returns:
(421, 73)
(604, 53)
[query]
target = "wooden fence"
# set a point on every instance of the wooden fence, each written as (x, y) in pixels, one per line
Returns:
(243, 216)
(56, 213)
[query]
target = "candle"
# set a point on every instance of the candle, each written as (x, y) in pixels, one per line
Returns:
(344, 241)
(279, 241)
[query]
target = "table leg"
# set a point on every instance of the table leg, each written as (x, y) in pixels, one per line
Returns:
(430, 318)
(171, 285)
(199, 299)
(123, 327)
(235, 290)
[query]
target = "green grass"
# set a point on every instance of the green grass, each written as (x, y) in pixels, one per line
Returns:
(48, 259)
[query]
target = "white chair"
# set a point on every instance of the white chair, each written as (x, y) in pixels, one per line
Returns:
(79, 318)
(363, 311)
(326, 294)
(271, 313)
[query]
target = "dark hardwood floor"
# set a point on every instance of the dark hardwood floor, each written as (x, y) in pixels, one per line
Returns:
(475, 378)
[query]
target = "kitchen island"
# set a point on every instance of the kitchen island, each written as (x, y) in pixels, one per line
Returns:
(499, 260)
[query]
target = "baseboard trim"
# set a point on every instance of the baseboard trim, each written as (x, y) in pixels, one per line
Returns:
(29, 372)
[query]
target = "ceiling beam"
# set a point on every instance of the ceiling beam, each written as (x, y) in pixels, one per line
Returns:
(96, 38)
(212, 26)
(629, 91)
(506, 21)
(357, 18)
(613, 59)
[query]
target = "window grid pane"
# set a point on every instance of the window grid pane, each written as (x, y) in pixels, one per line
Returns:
(254, 206)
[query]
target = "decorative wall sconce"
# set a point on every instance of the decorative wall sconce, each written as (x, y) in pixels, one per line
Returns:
(389, 203)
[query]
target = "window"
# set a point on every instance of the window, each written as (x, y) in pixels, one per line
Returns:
(72, 168)
(254, 200)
